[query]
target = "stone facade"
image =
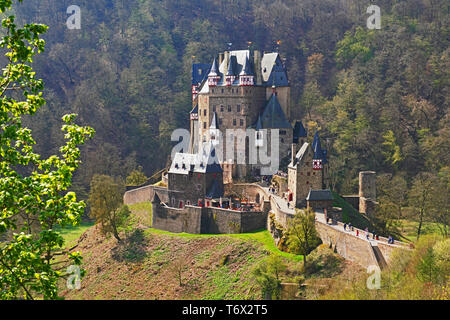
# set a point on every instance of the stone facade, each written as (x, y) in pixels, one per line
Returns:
(145, 194)
(188, 189)
(206, 220)
(302, 177)
(237, 106)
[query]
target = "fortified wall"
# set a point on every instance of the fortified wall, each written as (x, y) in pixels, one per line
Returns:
(145, 194)
(206, 220)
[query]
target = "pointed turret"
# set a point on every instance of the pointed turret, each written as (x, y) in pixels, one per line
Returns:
(230, 76)
(246, 77)
(319, 158)
(214, 130)
(214, 69)
(214, 75)
(299, 132)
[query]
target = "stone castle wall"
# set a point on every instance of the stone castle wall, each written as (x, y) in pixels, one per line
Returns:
(350, 247)
(206, 220)
(145, 194)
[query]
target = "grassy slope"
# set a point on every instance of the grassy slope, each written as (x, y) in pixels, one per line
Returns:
(71, 234)
(142, 267)
(216, 266)
(350, 214)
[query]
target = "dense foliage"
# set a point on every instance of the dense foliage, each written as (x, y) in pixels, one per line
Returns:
(34, 191)
(380, 97)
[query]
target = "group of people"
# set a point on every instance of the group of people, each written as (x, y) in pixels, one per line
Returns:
(349, 227)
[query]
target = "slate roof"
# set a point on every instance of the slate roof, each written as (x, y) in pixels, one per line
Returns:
(231, 63)
(259, 126)
(300, 154)
(214, 69)
(205, 162)
(246, 68)
(195, 110)
(273, 71)
(319, 195)
(273, 116)
(299, 131)
(214, 122)
(200, 72)
(215, 191)
(319, 153)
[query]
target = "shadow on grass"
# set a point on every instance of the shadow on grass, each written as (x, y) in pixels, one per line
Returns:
(132, 248)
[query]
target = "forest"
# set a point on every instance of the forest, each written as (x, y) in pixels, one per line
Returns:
(379, 97)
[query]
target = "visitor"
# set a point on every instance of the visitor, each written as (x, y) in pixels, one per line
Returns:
(350, 226)
(357, 232)
(345, 227)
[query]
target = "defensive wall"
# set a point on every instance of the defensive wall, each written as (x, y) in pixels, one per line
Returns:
(212, 220)
(145, 194)
(206, 220)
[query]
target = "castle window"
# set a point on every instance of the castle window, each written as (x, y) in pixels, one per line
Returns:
(241, 122)
(229, 108)
(238, 108)
(204, 112)
(282, 132)
(221, 108)
(212, 90)
(222, 90)
(234, 122)
(307, 182)
(309, 174)
(220, 121)
(232, 90)
(204, 125)
(282, 140)
(199, 72)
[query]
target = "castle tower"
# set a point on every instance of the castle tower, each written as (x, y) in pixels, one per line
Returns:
(234, 95)
(367, 192)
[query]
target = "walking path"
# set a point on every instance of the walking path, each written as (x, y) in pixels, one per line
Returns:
(282, 205)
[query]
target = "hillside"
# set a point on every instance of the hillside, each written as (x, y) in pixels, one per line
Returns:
(380, 97)
(143, 267)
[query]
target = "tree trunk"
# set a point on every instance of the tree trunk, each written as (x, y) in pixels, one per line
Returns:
(420, 224)
(116, 234)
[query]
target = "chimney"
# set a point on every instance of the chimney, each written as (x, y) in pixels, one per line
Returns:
(257, 64)
(226, 59)
(220, 58)
(294, 152)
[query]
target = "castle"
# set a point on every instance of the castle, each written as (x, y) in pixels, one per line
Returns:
(241, 110)
(241, 115)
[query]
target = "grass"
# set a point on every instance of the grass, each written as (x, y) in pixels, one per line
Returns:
(350, 214)
(409, 229)
(72, 233)
(263, 237)
(143, 212)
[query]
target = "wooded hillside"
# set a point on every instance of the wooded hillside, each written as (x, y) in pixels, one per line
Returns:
(380, 97)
